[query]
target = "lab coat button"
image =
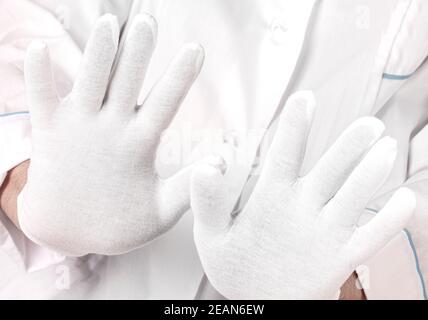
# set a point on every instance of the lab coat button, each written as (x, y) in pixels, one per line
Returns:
(278, 31)
(231, 138)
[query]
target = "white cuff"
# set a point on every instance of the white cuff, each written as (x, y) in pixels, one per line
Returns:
(393, 274)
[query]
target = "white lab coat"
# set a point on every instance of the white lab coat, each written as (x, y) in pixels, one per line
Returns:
(359, 57)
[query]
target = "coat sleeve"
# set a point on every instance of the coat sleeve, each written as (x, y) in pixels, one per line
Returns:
(20, 23)
(400, 270)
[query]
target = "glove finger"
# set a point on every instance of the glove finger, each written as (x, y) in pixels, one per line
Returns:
(349, 202)
(370, 238)
(132, 66)
(91, 82)
(285, 156)
(332, 170)
(166, 96)
(40, 88)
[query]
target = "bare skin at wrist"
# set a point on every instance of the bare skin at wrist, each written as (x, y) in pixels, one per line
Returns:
(350, 291)
(11, 188)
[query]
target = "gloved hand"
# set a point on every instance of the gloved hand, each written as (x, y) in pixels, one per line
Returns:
(92, 185)
(296, 238)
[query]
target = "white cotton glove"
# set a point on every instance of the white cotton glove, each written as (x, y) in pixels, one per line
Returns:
(296, 238)
(92, 185)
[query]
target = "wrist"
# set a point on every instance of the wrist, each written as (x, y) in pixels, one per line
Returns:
(351, 290)
(10, 190)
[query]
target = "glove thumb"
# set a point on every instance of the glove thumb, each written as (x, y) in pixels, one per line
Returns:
(209, 195)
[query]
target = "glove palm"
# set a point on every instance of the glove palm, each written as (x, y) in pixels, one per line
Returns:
(296, 238)
(92, 185)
